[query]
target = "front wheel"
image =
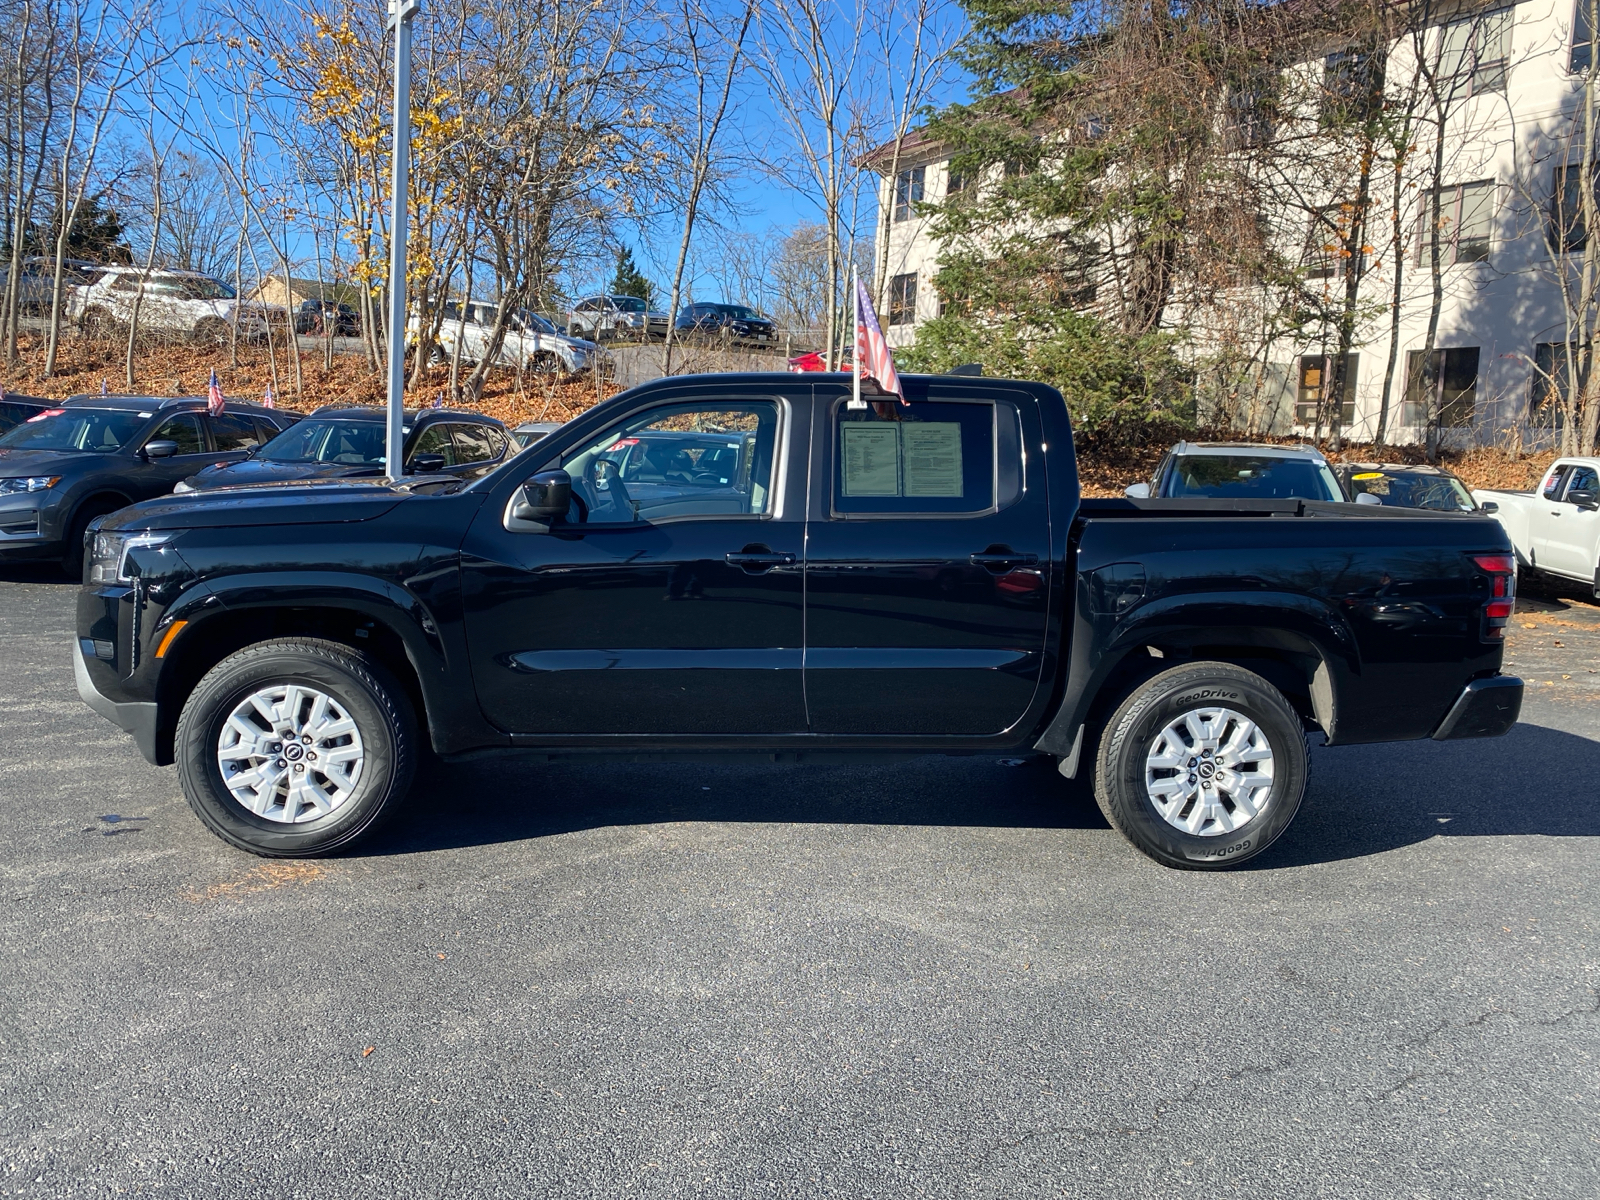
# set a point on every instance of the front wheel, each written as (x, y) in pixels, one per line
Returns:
(1202, 767)
(296, 747)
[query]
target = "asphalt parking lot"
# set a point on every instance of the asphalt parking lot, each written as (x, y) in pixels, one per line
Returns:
(946, 978)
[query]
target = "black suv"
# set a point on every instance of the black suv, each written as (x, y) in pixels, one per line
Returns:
(735, 321)
(323, 317)
(92, 455)
(342, 443)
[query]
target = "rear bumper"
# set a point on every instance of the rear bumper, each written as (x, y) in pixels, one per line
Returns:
(1486, 708)
(132, 716)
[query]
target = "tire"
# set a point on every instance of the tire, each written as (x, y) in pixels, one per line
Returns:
(97, 323)
(1200, 827)
(288, 825)
(72, 551)
(213, 331)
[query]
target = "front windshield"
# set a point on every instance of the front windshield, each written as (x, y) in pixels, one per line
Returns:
(206, 289)
(1252, 477)
(94, 430)
(351, 443)
(532, 322)
(739, 312)
(628, 303)
(1407, 489)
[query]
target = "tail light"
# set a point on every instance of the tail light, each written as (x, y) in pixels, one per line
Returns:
(1502, 572)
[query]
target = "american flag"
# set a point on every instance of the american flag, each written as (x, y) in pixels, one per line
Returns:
(214, 395)
(267, 398)
(438, 400)
(873, 358)
(105, 388)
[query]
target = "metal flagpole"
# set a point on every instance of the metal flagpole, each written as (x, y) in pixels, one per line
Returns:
(855, 338)
(400, 14)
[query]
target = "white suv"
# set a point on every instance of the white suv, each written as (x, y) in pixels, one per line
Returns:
(531, 342)
(178, 302)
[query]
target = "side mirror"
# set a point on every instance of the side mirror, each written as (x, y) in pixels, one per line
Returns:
(544, 497)
(160, 448)
(1488, 508)
(1137, 491)
(1584, 498)
(426, 464)
(1368, 498)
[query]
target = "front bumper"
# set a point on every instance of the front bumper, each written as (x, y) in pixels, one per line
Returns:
(132, 716)
(1486, 708)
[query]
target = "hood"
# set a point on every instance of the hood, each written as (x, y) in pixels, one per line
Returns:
(252, 471)
(287, 503)
(50, 462)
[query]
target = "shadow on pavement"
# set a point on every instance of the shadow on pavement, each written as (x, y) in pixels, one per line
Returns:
(36, 572)
(1363, 800)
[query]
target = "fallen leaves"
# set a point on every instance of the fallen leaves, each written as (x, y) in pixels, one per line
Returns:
(367, 1053)
(264, 878)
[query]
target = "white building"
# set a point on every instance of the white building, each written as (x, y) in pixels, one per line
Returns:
(1517, 88)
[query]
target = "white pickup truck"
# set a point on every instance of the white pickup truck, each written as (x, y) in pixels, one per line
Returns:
(1555, 529)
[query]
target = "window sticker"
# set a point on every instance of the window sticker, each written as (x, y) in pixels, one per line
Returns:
(931, 454)
(871, 459)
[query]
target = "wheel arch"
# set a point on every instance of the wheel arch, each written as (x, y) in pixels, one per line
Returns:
(1307, 655)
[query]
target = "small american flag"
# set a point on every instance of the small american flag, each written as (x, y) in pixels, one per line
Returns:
(267, 398)
(873, 358)
(105, 388)
(438, 400)
(214, 395)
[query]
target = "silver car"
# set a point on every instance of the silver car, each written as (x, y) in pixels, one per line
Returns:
(606, 317)
(531, 342)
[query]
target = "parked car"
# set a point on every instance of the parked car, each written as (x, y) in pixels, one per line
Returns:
(324, 318)
(813, 360)
(1556, 527)
(920, 579)
(604, 318)
(1240, 470)
(529, 432)
(36, 289)
(184, 303)
(344, 443)
(531, 342)
(733, 321)
(92, 455)
(14, 409)
(1401, 486)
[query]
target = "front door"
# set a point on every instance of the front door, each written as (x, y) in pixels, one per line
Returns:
(1574, 532)
(158, 476)
(927, 570)
(668, 602)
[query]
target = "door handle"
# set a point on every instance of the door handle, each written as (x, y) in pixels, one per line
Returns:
(757, 559)
(1001, 559)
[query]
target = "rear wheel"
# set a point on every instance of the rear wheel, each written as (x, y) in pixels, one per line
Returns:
(97, 323)
(296, 747)
(1202, 767)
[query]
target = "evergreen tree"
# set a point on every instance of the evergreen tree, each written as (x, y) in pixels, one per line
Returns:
(629, 280)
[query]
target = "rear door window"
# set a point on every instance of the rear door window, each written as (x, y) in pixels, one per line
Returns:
(472, 444)
(1552, 486)
(233, 432)
(927, 458)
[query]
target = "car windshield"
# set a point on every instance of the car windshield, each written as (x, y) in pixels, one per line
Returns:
(1413, 489)
(1253, 477)
(739, 312)
(532, 322)
(204, 289)
(628, 303)
(352, 443)
(95, 430)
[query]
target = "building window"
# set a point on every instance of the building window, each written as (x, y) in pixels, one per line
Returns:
(1582, 37)
(1566, 208)
(1316, 376)
(1252, 112)
(1352, 85)
(1552, 373)
(903, 299)
(907, 192)
(1328, 251)
(1475, 53)
(1444, 382)
(954, 182)
(1466, 223)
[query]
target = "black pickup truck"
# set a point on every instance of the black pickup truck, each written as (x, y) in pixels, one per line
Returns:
(751, 565)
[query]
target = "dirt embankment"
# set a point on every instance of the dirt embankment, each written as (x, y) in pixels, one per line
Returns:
(169, 369)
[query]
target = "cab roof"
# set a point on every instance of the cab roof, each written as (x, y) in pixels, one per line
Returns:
(128, 403)
(367, 412)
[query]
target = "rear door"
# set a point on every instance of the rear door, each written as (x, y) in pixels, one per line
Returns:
(927, 564)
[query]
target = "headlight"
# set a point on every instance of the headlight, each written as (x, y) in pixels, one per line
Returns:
(108, 554)
(28, 483)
